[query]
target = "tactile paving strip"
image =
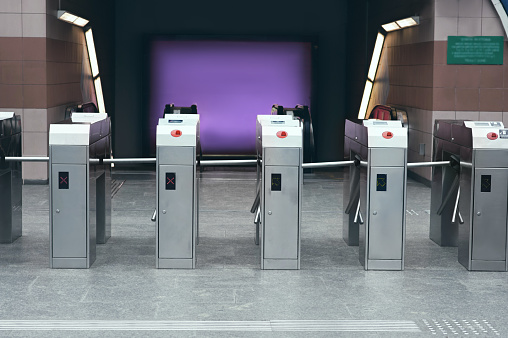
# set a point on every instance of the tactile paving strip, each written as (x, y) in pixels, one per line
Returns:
(461, 327)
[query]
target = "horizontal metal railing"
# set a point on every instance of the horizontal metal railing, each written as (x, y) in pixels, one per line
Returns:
(210, 163)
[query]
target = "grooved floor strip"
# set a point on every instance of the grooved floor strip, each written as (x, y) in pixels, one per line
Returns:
(272, 325)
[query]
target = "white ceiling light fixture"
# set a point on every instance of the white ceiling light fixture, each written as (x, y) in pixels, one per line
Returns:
(402, 23)
(71, 18)
(389, 27)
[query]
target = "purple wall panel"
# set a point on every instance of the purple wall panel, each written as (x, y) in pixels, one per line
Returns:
(231, 83)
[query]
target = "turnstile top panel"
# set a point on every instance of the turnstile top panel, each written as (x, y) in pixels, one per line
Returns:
(6, 115)
(191, 119)
(69, 134)
(10, 124)
(180, 130)
(386, 134)
(280, 131)
(79, 130)
(88, 117)
(488, 135)
(483, 124)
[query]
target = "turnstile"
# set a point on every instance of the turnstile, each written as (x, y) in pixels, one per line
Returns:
(10, 178)
(177, 191)
(80, 191)
(279, 148)
(375, 192)
(444, 218)
(479, 204)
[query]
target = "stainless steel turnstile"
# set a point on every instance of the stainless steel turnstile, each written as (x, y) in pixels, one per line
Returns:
(10, 178)
(479, 203)
(279, 148)
(375, 192)
(80, 192)
(444, 221)
(177, 191)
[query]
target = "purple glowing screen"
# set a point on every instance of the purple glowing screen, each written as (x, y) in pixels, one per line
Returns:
(231, 82)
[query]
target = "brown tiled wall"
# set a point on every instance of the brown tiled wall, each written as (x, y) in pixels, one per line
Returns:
(421, 82)
(41, 62)
(469, 88)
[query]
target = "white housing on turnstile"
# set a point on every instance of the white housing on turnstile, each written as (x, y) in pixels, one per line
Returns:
(482, 240)
(383, 196)
(279, 145)
(80, 195)
(177, 143)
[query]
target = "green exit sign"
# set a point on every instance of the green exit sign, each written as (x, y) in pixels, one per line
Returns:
(475, 50)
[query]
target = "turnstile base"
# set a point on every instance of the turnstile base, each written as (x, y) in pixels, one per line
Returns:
(452, 242)
(477, 265)
(388, 264)
(8, 240)
(70, 263)
(171, 263)
(280, 264)
(103, 240)
(351, 241)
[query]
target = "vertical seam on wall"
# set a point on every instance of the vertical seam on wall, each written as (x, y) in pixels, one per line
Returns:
(22, 81)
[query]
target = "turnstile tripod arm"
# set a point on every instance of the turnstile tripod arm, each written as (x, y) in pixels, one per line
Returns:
(358, 215)
(355, 194)
(456, 210)
(455, 185)
(257, 200)
(257, 221)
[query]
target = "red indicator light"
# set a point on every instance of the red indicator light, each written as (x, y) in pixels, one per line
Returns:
(388, 134)
(282, 134)
(492, 136)
(176, 133)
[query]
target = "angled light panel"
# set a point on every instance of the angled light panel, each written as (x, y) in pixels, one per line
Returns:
(92, 55)
(365, 99)
(376, 55)
(98, 94)
(71, 18)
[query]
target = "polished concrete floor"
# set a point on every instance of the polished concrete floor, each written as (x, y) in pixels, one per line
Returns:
(227, 294)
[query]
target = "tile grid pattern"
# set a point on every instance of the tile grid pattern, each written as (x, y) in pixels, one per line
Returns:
(42, 60)
(421, 81)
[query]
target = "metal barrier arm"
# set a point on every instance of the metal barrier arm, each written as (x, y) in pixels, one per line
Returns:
(124, 160)
(328, 164)
(28, 159)
(427, 164)
(209, 163)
